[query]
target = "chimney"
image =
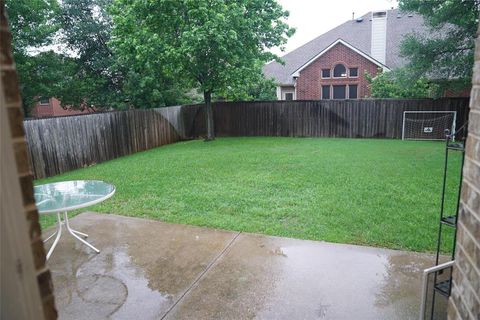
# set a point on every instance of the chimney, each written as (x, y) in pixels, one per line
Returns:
(379, 35)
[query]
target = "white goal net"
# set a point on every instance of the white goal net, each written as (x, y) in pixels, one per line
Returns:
(427, 125)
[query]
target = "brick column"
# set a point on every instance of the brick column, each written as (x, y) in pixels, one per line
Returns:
(13, 104)
(465, 299)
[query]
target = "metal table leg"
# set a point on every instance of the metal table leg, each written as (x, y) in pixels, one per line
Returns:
(80, 233)
(74, 233)
(59, 234)
(51, 236)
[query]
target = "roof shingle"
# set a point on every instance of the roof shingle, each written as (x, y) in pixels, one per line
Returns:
(358, 34)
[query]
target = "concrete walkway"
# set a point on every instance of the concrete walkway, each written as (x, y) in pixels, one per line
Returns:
(154, 270)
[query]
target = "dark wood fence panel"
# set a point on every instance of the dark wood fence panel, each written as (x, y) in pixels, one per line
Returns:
(365, 118)
(58, 145)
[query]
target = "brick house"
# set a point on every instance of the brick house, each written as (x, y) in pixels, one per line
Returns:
(334, 74)
(50, 107)
(333, 65)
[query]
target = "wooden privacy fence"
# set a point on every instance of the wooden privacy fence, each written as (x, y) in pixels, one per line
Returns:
(58, 145)
(363, 118)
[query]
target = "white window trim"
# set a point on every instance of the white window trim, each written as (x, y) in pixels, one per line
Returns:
(349, 72)
(321, 73)
(284, 95)
(348, 91)
(346, 71)
(329, 90)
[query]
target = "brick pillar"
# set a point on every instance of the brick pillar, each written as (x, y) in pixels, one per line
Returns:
(465, 299)
(12, 102)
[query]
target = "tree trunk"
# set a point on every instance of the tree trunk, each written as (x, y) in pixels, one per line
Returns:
(207, 96)
(26, 111)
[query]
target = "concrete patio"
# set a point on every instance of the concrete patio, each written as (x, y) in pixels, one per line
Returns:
(154, 270)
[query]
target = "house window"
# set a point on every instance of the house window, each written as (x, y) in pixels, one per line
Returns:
(325, 92)
(325, 73)
(353, 91)
(353, 72)
(339, 92)
(339, 71)
(44, 101)
(289, 96)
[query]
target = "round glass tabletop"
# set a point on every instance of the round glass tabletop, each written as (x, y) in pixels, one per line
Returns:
(71, 195)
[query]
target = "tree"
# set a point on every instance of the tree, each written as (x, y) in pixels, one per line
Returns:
(33, 25)
(86, 29)
(446, 53)
(208, 44)
(79, 76)
(255, 87)
(43, 75)
(399, 84)
(83, 71)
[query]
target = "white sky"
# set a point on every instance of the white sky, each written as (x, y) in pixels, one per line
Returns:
(312, 18)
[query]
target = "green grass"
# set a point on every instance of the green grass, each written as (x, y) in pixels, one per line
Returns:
(371, 192)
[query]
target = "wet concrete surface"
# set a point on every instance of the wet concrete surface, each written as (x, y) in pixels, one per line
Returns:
(153, 270)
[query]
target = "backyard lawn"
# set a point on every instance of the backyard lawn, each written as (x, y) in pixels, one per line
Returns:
(371, 192)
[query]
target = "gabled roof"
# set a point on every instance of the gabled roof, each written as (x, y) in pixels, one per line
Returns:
(356, 34)
(296, 73)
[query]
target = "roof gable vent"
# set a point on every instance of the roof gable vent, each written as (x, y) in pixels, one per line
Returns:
(379, 14)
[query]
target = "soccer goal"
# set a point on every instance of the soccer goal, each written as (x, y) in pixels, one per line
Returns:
(427, 125)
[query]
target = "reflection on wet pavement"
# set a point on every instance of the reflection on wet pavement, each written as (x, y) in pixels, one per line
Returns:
(154, 270)
(137, 271)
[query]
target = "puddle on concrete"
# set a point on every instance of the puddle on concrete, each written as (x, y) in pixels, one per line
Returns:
(328, 281)
(108, 286)
(146, 266)
(142, 269)
(139, 296)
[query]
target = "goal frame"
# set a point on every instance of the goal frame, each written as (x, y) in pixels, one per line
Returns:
(425, 111)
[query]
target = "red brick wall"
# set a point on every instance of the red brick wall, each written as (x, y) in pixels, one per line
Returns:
(455, 93)
(310, 81)
(13, 103)
(465, 299)
(53, 109)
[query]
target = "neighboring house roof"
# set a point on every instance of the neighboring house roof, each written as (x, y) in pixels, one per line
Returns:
(357, 35)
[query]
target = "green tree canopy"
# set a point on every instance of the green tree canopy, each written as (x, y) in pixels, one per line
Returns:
(83, 71)
(446, 53)
(79, 76)
(33, 25)
(209, 44)
(399, 84)
(85, 31)
(255, 87)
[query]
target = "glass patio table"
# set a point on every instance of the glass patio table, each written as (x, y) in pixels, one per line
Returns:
(61, 197)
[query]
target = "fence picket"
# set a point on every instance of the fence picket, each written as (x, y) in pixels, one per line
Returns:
(57, 145)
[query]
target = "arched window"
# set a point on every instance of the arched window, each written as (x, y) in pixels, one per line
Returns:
(339, 71)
